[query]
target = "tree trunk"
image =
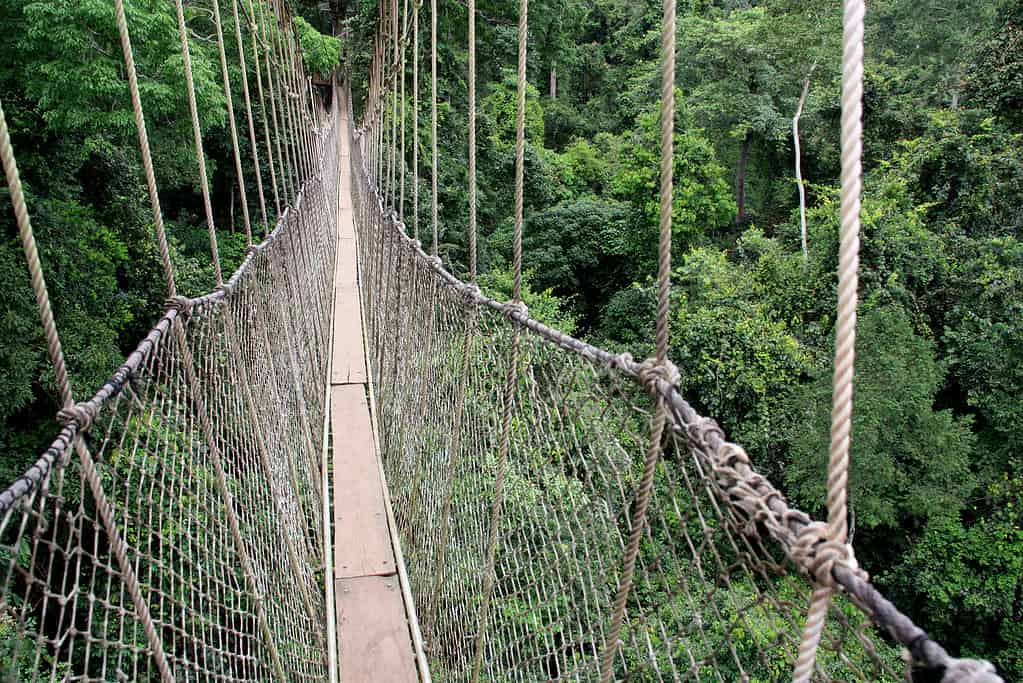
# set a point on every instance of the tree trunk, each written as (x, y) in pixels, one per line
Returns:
(799, 169)
(740, 181)
(554, 80)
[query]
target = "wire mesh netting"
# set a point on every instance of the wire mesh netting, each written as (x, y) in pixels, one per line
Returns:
(714, 596)
(206, 444)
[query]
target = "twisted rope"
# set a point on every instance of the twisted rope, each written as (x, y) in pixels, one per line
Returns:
(660, 365)
(512, 375)
(147, 156)
(845, 329)
(197, 134)
(433, 124)
(248, 117)
(230, 118)
(415, 120)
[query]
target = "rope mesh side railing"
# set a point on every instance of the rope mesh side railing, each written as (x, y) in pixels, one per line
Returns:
(722, 574)
(204, 499)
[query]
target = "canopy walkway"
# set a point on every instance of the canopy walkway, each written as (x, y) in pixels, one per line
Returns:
(346, 464)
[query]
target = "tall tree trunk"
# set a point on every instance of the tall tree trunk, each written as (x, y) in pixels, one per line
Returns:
(799, 169)
(554, 80)
(740, 180)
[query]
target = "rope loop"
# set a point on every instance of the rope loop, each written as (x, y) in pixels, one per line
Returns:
(253, 249)
(227, 288)
(817, 554)
(79, 414)
(964, 671)
(653, 370)
(182, 304)
(622, 361)
(513, 309)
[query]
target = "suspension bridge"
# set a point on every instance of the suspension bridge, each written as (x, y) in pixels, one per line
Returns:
(346, 464)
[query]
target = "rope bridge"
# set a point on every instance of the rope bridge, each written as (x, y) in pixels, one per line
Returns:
(564, 514)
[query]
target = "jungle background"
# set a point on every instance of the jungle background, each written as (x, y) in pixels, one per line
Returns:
(938, 424)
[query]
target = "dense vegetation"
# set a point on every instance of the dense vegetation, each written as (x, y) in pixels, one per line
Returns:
(936, 493)
(936, 441)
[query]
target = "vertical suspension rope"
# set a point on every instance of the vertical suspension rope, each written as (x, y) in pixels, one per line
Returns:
(233, 127)
(853, 12)
(472, 141)
(404, 51)
(248, 116)
(511, 378)
(415, 118)
(433, 125)
(285, 180)
(197, 134)
(56, 353)
(147, 156)
(661, 368)
(456, 439)
(394, 105)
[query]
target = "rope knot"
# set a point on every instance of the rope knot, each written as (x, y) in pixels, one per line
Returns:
(182, 304)
(622, 361)
(970, 671)
(652, 370)
(78, 414)
(417, 244)
(513, 308)
(435, 261)
(252, 249)
(226, 287)
(816, 553)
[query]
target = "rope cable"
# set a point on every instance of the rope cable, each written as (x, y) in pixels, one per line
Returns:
(853, 12)
(232, 126)
(248, 116)
(511, 378)
(197, 134)
(433, 124)
(661, 363)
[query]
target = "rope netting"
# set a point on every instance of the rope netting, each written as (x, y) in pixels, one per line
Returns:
(174, 530)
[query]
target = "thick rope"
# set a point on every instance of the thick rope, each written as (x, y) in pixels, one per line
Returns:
(661, 365)
(415, 120)
(56, 352)
(230, 118)
(403, 170)
(472, 141)
(248, 116)
(197, 134)
(845, 328)
(433, 124)
(147, 156)
(511, 378)
(280, 173)
(470, 328)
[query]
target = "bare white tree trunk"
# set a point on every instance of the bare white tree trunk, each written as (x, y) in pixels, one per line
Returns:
(799, 169)
(554, 80)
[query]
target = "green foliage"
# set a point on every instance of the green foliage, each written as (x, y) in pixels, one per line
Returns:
(321, 54)
(895, 479)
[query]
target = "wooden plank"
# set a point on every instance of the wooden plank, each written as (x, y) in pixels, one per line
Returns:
(373, 635)
(362, 544)
(348, 273)
(349, 361)
(347, 223)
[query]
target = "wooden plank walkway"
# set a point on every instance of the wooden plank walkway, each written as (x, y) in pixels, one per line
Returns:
(374, 644)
